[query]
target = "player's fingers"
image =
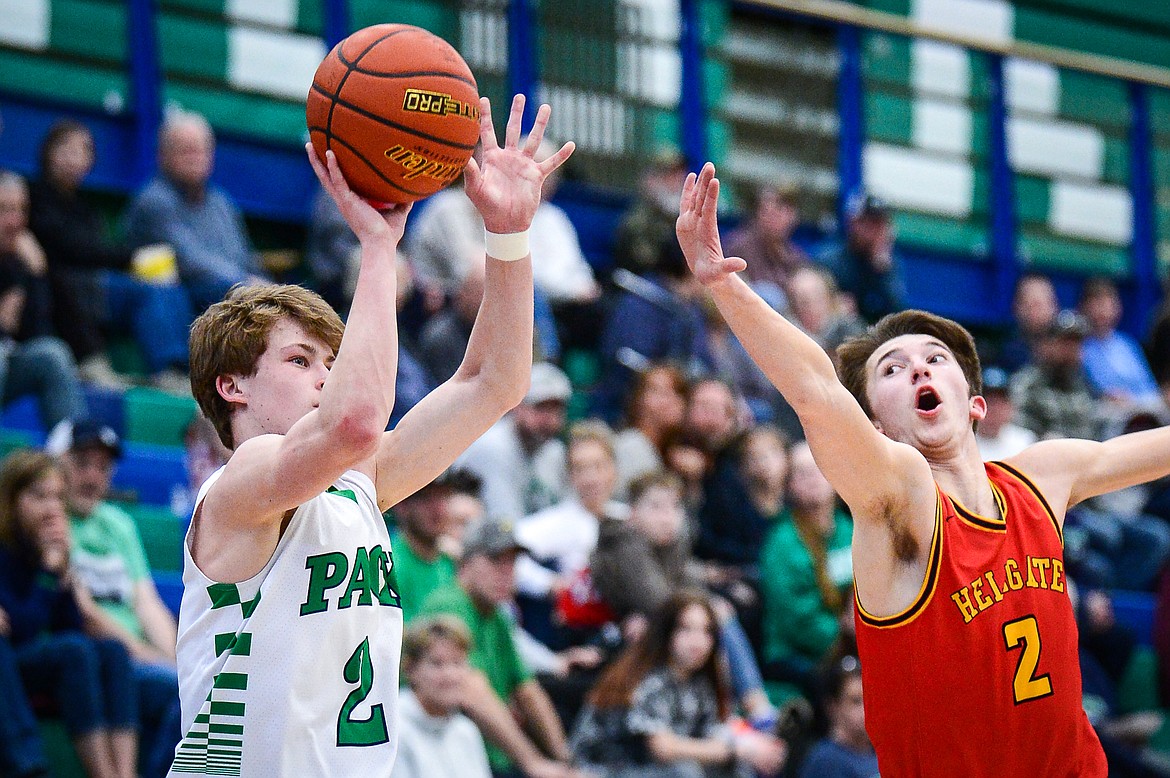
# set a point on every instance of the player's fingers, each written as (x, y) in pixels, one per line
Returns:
(487, 130)
(711, 200)
(537, 134)
(471, 174)
(558, 159)
(512, 134)
(318, 168)
(339, 182)
(688, 193)
(702, 190)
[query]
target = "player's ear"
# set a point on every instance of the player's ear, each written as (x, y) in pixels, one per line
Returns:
(978, 408)
(230, 389)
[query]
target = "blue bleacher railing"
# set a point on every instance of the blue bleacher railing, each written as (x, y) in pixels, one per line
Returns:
(1144, 289)
(146, 82)
(694, 115)
(1002, 207)
(851, 109)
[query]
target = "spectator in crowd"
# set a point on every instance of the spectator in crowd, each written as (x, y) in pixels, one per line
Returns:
(810, 575)
(640, 562)
(559, 268)
(998, 436)
(764, 465)
(1052, 395)
(731, 362)
(95, 283)
(181, 207)
(1034, 307)
(22, 752)
(521, 460)
(485, 582)
(662, 710)
(446, 246)
(32, 361)
(560, 538)
(684, 453)
(1114, 363)
(731, 530)
(332, 253)
(655, 406)
(89, 680)
(765, 242)
(846, 752)
(413, 381)
(817, 308)
(109, 562)
(865, 264)
(435, 740)
(648, 225)
(421, 565)
(443, 339)
(656, 318)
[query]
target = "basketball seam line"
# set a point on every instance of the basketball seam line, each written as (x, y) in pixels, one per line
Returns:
(374, 167)
(384, 121)
(349, 68)
(436, 73)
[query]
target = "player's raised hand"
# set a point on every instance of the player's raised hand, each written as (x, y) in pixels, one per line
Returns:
(365, 221)
(697, 228)
(504, 185)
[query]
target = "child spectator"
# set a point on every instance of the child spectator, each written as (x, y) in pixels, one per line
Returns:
(434, 739)
(846, 752)
(89, 680)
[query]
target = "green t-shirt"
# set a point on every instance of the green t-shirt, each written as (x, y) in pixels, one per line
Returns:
(493, 649)
(416, 577)
(797, 625)
(110, 561)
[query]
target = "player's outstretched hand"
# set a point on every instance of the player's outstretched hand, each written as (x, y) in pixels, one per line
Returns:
(504, 185)
(366, 222)
(697, 228)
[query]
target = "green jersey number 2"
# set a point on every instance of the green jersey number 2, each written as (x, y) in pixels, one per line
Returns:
(359, 669)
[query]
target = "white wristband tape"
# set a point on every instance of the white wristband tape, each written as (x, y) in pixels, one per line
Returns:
(508, 247)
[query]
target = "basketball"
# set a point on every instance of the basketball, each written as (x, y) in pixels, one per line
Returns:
(399, 108)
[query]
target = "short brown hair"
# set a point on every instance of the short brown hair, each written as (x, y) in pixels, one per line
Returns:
(657, 479)
(592, 431)
(422, 635)
(855, 352)
(229, 337)
(20, 470)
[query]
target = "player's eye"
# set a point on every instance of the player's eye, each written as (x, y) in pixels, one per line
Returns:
(302, 361)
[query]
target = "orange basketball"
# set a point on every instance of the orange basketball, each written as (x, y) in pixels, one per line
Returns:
(400, 109)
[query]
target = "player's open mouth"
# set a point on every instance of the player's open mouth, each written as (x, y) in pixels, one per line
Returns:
(927, 400)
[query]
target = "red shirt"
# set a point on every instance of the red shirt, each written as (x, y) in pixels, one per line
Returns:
(980, 676)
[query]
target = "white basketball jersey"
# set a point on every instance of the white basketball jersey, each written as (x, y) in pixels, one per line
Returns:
(294, 672)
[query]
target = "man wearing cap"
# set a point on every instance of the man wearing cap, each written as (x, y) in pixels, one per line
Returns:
(486, 580)
(865, 265)
(110, 562)
(421, 565)
(1052, 395)
(521, 459)
(998, 437)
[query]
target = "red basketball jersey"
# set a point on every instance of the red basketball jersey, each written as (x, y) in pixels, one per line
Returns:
(980, 675)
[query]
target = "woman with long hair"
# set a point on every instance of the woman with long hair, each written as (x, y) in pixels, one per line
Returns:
(662, 708)
(93, 289)
(654, 407)
(89, 681)
(807, 591)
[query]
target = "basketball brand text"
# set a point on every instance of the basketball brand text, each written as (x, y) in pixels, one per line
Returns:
(422, 101)
(417, 165)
